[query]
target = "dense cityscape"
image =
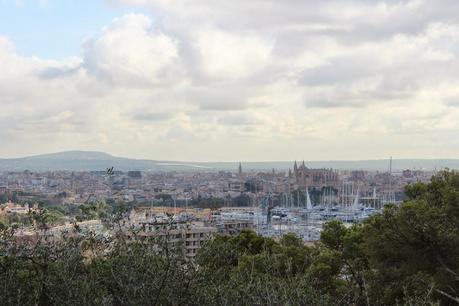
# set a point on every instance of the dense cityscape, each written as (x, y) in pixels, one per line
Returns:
(272, 203)
(197, 231)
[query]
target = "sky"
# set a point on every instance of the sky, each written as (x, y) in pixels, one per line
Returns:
(218, 80)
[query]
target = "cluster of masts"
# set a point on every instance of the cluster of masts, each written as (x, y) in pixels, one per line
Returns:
(349, 198)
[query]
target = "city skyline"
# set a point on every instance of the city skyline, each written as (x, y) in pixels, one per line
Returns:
(219, 81)
(98, 161)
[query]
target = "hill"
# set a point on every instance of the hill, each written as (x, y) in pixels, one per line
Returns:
(93, 161)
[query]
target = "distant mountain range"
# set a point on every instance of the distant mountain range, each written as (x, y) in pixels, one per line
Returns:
(99, 161)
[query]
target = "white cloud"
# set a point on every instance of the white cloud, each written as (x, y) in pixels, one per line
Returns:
(130, 52)
(282, 79)
(224, 55)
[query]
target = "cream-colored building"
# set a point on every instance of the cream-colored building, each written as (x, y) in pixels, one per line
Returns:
(188, 236)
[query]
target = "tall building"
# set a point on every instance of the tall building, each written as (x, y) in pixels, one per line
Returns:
(307, 177)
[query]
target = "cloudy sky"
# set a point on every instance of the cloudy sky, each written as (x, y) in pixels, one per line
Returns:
(224, 80)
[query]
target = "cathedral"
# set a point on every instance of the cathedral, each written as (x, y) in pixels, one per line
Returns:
(306, 177)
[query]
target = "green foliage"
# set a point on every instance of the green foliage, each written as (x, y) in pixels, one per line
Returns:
(212, 203)
(18, 220)
(92, 211)
(242, 200)
(248, 269)
(416, 245)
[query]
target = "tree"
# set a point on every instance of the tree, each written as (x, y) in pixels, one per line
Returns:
(415, 247)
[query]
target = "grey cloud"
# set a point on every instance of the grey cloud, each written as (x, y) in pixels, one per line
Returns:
(340, 70)
(221, 104)
(297, 26)
(342, 97)
(57, 72)
(334, 102)
(452, 101)
(220, 98)
(149, 116)
(238, 120)
(49, 122)
(177, 133)
(382, 18)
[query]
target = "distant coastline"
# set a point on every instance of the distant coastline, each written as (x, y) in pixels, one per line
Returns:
(94, 161)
